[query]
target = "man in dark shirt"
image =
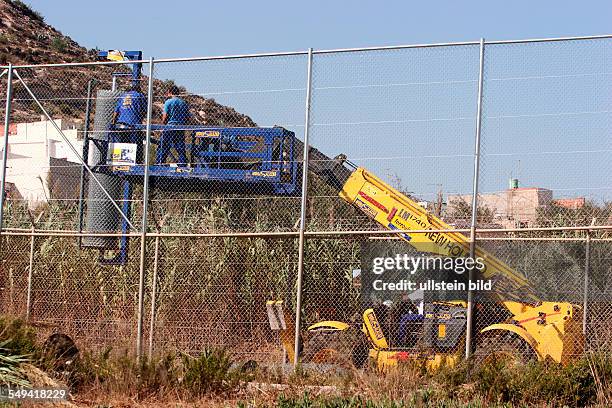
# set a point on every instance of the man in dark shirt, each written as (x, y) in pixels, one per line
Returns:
(130, 110)
(176, 112)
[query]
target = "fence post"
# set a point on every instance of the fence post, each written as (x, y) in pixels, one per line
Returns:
(7, 121)
(587, 261)
(474, 221)
(90, 85)
(300, 272)
(145, 205)
(30, 276)
(153, 296)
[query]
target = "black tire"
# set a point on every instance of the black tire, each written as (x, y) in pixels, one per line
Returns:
(360, 353)
(502, 347)
(339, 347)
(61, 351)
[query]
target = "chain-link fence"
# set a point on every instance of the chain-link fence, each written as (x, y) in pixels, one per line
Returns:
(162, 204)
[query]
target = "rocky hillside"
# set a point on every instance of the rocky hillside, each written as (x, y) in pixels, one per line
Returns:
(26, 39)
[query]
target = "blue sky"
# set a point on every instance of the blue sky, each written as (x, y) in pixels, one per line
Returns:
(196, 27)
(408, 113)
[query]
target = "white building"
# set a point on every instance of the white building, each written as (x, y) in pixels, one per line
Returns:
(41, 166)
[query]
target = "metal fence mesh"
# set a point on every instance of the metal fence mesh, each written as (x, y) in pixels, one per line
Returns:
(546, 120)
(223, 226)
(406, 115)
(213, 293)
(241, 93)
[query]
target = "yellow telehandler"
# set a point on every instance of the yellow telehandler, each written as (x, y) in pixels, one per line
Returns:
(517, 324)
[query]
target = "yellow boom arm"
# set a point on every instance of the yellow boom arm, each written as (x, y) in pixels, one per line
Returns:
(394, 211)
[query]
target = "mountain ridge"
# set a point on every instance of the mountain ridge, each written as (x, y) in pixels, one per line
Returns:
(25, 39)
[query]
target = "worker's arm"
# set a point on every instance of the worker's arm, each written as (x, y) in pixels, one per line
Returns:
(116, 112)
(165, 112)
(143, 108)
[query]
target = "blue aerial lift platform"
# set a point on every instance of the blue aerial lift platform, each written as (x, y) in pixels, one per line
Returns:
(242, 160)
(259, 156)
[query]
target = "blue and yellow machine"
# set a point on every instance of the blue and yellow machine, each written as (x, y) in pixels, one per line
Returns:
(247, 160)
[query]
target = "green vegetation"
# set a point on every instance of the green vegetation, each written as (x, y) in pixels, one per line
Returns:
(210, 372)
(59, 44)
(462, 210)
(557, 216)
(17, 346)
(10, 372)
(230, 277)
(17, 337)
(583, 383)
(214, 375)
(221, 283)
(307, 401)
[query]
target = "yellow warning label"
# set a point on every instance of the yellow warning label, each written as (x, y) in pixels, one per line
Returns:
(375, 326)
(441, 331)
(265, 173)
(208, 133)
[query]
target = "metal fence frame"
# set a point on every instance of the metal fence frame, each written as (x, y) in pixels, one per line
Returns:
(12, 73)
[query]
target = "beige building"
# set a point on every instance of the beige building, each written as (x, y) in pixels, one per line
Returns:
(40, 165)
(512, 208)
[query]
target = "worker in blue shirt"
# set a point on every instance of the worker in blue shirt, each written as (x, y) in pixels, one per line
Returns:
(130, 110)
(176, 112)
